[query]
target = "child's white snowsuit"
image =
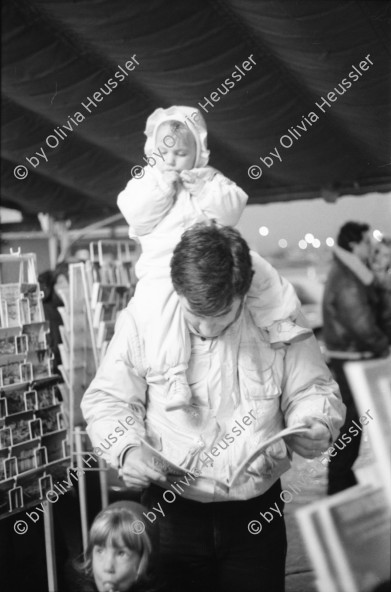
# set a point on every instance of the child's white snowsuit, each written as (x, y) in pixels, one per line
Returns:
(157, 216)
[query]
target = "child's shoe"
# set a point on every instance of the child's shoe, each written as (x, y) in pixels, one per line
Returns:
(179, 393)
(283, 333)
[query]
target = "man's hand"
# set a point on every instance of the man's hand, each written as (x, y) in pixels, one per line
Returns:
(313, 442)
(136, 474)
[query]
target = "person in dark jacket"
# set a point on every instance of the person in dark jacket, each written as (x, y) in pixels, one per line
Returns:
(55, 287)
(51, 302)
(351, 331)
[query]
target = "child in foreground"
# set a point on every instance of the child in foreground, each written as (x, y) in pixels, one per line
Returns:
(172, 194)
(118, 553)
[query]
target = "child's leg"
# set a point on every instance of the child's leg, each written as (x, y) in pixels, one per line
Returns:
(285, 332)
(274, 304)
(167, 342)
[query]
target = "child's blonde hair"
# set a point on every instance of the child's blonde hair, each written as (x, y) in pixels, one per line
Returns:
(177, 130)
(119, 525)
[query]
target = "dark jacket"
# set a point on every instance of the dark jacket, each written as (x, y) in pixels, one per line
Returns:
(383, 285)
(51, 301)
(350, 313)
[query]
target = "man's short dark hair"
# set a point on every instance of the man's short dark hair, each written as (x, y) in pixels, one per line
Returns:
(211, 266)
(351, 232)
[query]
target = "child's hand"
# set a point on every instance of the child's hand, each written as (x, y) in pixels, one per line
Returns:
(171, 178)
(195, 179)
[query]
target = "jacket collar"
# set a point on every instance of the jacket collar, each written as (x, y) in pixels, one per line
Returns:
(355, 265)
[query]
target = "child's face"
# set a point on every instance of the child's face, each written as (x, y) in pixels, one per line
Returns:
(179, 157)
(114, 569)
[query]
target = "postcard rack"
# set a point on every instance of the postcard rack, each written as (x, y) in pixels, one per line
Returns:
(34, 448)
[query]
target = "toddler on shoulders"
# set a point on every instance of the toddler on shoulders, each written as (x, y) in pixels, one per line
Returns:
(179, 190)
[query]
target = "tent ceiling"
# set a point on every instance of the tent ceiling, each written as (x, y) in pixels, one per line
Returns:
(57, 54)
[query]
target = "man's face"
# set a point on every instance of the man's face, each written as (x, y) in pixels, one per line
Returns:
(210, 327)
(362, 250)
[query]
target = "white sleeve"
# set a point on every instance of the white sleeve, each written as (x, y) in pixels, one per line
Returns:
(271, 297)
(145, 202)
(222, 200)
(308, 389)
(114, 403)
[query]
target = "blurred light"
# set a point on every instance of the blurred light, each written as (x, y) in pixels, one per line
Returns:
(309, 237)
(282, 243)
(377, 235)
(302, 244)
(10, 216)
(316, 243)
(82, 254)
(263, 231)
(329, 241)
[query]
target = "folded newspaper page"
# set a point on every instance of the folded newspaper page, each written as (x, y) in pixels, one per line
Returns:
(158, 461)
(299, 428)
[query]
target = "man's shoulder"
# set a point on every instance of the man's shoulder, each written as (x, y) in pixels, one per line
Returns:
(128, 332)
(250, 330)
(127, 317)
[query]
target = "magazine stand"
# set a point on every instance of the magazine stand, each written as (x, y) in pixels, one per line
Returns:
(83, 357)
(79, 356)
(348, 534)
(112, 281)
(34, 450)
(98, 290)
(370, 382)
(84, 459)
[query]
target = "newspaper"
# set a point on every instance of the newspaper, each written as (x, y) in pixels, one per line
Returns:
(157, 460)
(299, 428)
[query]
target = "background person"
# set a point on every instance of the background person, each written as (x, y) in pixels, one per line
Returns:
(51, 301)
(233, 370)
(351, 331)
